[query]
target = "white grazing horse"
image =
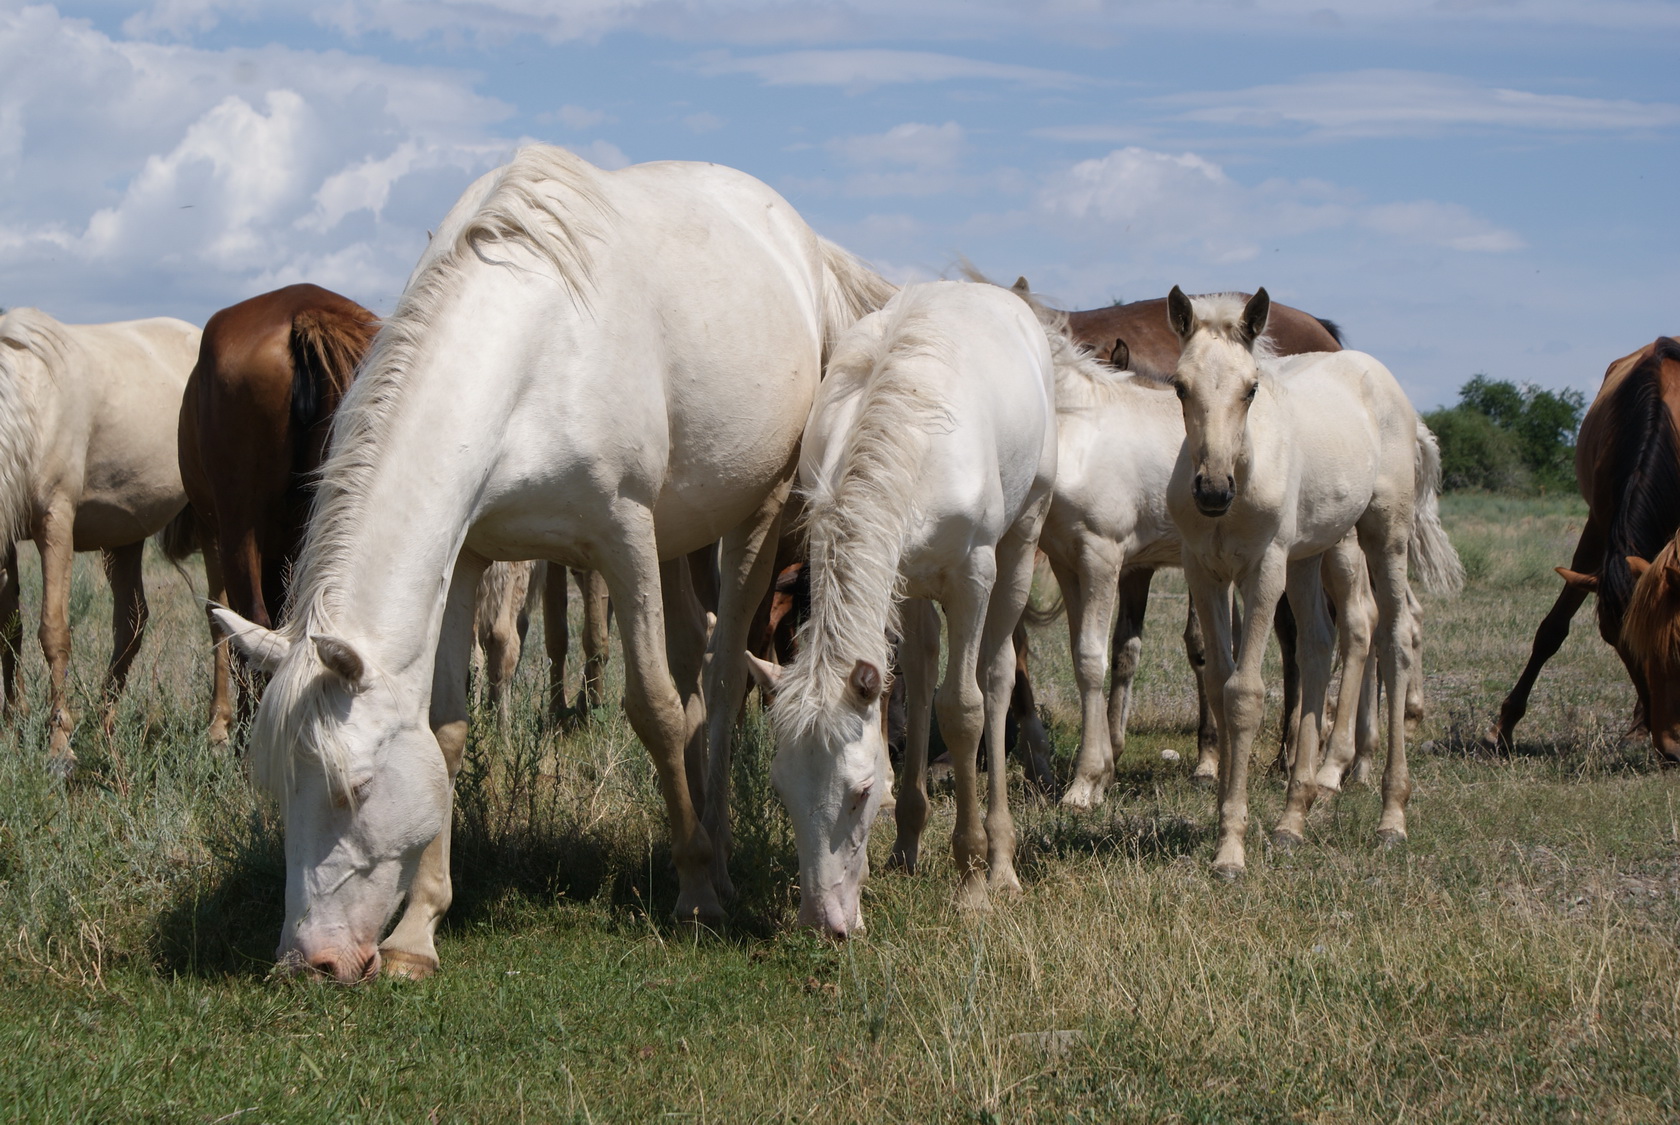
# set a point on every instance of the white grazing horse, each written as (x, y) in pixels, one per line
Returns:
(926, 471)
(87, 462)
(603, 369)
(1282, 461)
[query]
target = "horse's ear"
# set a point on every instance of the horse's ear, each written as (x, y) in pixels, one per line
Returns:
(1179, 313)
(766, 675)
(1121, 357)
(1255, 315)
(1021, 286)
(263, 649)
(865, 682)
(1578, 581)
(341, 660)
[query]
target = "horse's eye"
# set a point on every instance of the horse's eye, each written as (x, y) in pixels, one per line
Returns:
(1252, 387)
(1178, 389)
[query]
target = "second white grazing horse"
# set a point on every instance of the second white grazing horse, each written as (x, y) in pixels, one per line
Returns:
(1282, 462)
(603, 369)
(927, 470)
(87, 462)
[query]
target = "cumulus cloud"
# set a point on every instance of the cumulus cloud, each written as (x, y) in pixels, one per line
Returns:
(1165, 200)
(185, 176)
(1377, 103)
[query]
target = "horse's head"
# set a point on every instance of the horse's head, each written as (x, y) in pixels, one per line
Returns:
(1650, 642)
(831, 773)
(1216, 381)
(363, 785)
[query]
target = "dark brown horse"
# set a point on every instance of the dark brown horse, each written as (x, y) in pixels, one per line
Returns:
(253, 431)
(1627, 464)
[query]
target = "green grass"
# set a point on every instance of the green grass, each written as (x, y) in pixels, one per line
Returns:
(1517, 961)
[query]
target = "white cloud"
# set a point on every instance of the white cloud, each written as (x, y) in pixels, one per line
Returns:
(164, 178)
(1376, 103)
(577, 117)
(602, 154)
(703, 122)
(912, 144)
(1162, 200)
(877, 67)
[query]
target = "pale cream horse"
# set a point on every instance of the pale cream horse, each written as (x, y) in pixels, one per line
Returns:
(603, 369)
(1282, 462)
(926, 472)
(87, 462)
(1119, 437)
(507, 594)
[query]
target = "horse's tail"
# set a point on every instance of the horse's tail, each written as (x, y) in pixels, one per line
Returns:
(327, 344)
(179, 537)
(1434, 561)
(851, 291)
(1038, 616)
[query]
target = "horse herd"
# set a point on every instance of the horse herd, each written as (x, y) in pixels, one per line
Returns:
(625, 373)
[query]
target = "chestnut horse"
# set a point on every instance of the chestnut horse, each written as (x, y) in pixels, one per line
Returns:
(253, 432)
(1627, 464)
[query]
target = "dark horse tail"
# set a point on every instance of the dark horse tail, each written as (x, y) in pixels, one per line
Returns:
(327, 344)
(1646, 458)
(179, 537)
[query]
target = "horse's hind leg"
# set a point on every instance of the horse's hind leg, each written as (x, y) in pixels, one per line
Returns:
(1385, 553)
(1208, 750)
(1088, 589)
(1312, 654)
(746, 563)
(961, 706)
(918, 665)
(221, 692)
(1032, 742)
(1345, 575)
(1414, 684)
(597, 615)
(128, 620)
(411, 950)
(557, 640)
(11, 634)
(1124, 655)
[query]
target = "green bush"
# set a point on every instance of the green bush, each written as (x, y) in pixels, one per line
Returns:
(1505, 438)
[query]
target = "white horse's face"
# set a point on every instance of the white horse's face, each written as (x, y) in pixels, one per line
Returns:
(352, 850)
(832, 785)
(354, 836)
(1216, 381)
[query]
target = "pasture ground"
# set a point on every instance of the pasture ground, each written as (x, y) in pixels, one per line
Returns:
(1519, 960)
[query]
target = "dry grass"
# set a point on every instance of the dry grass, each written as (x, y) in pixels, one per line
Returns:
(1518, 961)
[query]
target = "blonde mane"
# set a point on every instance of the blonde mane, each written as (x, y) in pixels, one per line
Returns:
(1651, 622)
(857, 520)
(33, 333)
(547, 202)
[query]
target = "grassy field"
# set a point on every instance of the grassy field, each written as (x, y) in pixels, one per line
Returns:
(1519, 960)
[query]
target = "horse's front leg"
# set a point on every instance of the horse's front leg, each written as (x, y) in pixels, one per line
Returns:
(918, 663)
(1125, 653)
(961, 706)
(1312, 656)
(128, 621)
(997, 679)
(221, 690)
(411, 950)
(54, 538)
(1088, 588)
(745, 567)
(1350, 589)
(630, 563)
(597, 612)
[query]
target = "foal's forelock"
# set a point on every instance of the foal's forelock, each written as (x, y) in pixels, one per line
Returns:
(1651, 622)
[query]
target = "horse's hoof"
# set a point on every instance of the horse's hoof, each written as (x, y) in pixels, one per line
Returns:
(974, 899)
(1081, 795)
(1005, 884)
(902, 861)
(1390, 837)
(401, 965)
(1286, 841)
(1203, 780)
(1228, 872)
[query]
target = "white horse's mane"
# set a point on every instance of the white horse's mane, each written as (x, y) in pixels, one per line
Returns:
(34, 333)
(857, 520)
(546, 201)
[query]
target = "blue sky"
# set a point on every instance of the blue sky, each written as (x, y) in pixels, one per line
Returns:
(1465, 185)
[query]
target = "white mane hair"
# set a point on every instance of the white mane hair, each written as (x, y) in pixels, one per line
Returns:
(856, 521)
(24, 332)
(851, 291)
(546, 201)
(1220, 316)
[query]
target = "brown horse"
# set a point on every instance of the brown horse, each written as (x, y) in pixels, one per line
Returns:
(253, 432)
(1627, 464)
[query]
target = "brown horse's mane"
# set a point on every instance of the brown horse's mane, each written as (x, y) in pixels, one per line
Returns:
(1644, 455)
(327, 343)
(1651, 627)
